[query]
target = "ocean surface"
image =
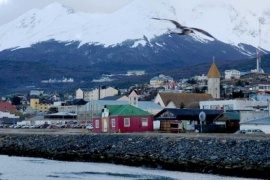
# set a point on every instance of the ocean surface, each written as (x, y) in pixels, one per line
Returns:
(25, 168)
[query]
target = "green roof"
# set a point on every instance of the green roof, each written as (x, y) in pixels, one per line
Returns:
(229, 116)
(232, 115)
(126, 110)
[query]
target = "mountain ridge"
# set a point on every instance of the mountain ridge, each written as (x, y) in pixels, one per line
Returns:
(84, 46)
(133, 22)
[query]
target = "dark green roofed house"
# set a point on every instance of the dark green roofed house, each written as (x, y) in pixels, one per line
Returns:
(123, 118)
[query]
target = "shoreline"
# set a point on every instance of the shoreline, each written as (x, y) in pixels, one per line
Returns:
(223, 154)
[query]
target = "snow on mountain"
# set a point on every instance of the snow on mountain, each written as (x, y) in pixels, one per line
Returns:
(227, 20)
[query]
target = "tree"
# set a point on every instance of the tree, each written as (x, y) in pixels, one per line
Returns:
(16, 100)
(239, 94)
(182, 105)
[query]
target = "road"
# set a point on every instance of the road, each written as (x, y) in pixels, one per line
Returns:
(85, 131)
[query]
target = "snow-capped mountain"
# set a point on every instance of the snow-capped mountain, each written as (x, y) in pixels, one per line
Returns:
(57, 41)
(226, 20)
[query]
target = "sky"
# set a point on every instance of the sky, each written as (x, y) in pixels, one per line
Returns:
(11, 9)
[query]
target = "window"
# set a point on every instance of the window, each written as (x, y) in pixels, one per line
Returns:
(97, 123)
(206, 107)
(228, 106)
(113, 122)
(144, 122)
(126, 122)
(214, 106)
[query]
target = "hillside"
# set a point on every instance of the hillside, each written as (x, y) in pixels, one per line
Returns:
(56, 41)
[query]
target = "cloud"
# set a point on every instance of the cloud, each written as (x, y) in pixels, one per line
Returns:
(4, 1)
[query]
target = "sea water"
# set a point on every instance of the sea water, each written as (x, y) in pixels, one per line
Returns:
(26, 168)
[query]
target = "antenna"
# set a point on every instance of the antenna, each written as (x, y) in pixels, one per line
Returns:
(259, 70)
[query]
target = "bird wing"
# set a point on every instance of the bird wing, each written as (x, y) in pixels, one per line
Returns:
(177, 24)
(203, 32)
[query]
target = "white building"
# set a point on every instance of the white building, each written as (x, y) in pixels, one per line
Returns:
(136, 72)
(232, 74)
(95, 94)
(161, 80)
(262, 124)
(234, 104)
(201, 78)
(7, 115)
(262, 89)
(36, 92)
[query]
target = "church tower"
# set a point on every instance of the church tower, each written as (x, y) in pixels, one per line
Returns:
(214, 81)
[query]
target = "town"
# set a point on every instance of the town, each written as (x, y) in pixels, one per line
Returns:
(211, 103)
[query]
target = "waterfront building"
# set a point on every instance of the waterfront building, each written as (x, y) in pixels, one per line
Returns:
(123, 119)
(233, 104)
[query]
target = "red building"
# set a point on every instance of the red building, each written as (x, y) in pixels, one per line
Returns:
(123, 118)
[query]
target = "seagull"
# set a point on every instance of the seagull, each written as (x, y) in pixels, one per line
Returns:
(184, 29)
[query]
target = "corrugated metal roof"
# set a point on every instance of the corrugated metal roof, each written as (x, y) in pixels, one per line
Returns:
(232, 115)
(190, 100)
(126, 110)
(146, 105)
(111, 98)
(62, 114)
(262, 121)
(213, 72)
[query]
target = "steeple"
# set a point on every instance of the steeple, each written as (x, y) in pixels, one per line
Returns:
(214, 81)
(213, 71)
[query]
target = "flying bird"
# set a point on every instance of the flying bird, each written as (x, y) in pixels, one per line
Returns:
(184, 30)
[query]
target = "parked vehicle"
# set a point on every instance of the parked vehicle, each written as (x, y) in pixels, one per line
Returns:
(89, 127)
(240, 131)
(249, 131)
(254, 131)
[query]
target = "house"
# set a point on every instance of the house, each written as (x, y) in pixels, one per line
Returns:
(230, 119)
(180, 120)
(38, 105)
(79, 93)
(122, 118)
(181, 100)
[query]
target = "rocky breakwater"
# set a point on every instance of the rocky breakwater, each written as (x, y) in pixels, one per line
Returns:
(247, 157)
